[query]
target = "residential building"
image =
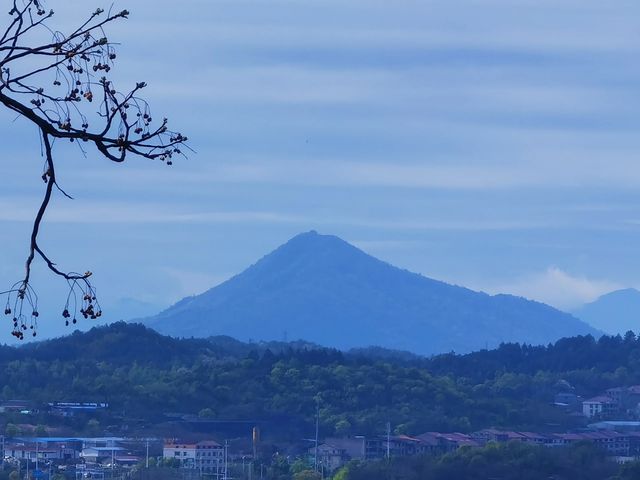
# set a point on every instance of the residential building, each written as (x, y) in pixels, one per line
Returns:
(204, 456)
(182, 451)
(330, 457)
(394, 446)
(102, 449)
(601, 406)
(209, 455)
(31, 450)
(354, 447)
(436, 442)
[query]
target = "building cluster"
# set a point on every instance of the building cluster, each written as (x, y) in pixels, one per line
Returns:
(614, 402)
(93, 455)
(86, 454)
(619, 439)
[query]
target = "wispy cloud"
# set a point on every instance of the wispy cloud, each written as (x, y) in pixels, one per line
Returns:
(191, 282)
(558, 288)
(14, 210)
(513, 123)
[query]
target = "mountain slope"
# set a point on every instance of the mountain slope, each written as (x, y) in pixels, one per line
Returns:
(324, 290)
(615, 312)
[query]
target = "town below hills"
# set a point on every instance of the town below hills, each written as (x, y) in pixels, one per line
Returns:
(573, 392)
(375, 369)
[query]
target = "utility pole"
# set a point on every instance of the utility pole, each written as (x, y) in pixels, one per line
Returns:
(388, 440)
(315, 459)
(147, 463)
(226, 448)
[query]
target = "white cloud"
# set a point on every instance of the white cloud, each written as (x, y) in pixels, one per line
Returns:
(23, 209)
(557, 288)
(192, 283)
(17, 209)
(553, 171)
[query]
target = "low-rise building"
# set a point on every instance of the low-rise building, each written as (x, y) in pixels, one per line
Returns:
(436, 442)
(30, 450)
(184, 452)
(329, 456)
(601, 406)
(204, 456)
(393, 445)
(69, 409)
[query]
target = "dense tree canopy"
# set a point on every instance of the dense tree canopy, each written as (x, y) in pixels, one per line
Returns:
(510, 461)
(146, 374)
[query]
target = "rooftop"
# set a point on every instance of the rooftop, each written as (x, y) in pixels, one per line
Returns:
(600, 399)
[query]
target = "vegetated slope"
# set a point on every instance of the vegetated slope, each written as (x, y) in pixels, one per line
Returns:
(615, 312)
(321, 289)
(512, 386)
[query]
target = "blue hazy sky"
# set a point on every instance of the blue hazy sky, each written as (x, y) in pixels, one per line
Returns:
(492, 144)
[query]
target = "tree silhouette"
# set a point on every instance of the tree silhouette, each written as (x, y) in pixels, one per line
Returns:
(60, 82)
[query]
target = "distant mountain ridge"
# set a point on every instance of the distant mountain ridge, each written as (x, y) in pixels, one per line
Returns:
(613, 313)
(322, 289)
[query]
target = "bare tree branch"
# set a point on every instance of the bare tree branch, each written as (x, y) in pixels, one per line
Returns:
(51, 79)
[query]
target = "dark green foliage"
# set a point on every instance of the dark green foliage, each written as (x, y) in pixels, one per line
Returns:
(510, 461)
(146, 375)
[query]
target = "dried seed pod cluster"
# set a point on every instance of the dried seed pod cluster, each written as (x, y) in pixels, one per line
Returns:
(22, 309)
(21, 306)
(82, 299)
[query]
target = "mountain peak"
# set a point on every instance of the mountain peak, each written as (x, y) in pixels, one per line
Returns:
(322, 289)
(623, 292)
(312, 239)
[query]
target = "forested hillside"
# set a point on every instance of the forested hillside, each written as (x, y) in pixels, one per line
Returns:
(145, 374)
